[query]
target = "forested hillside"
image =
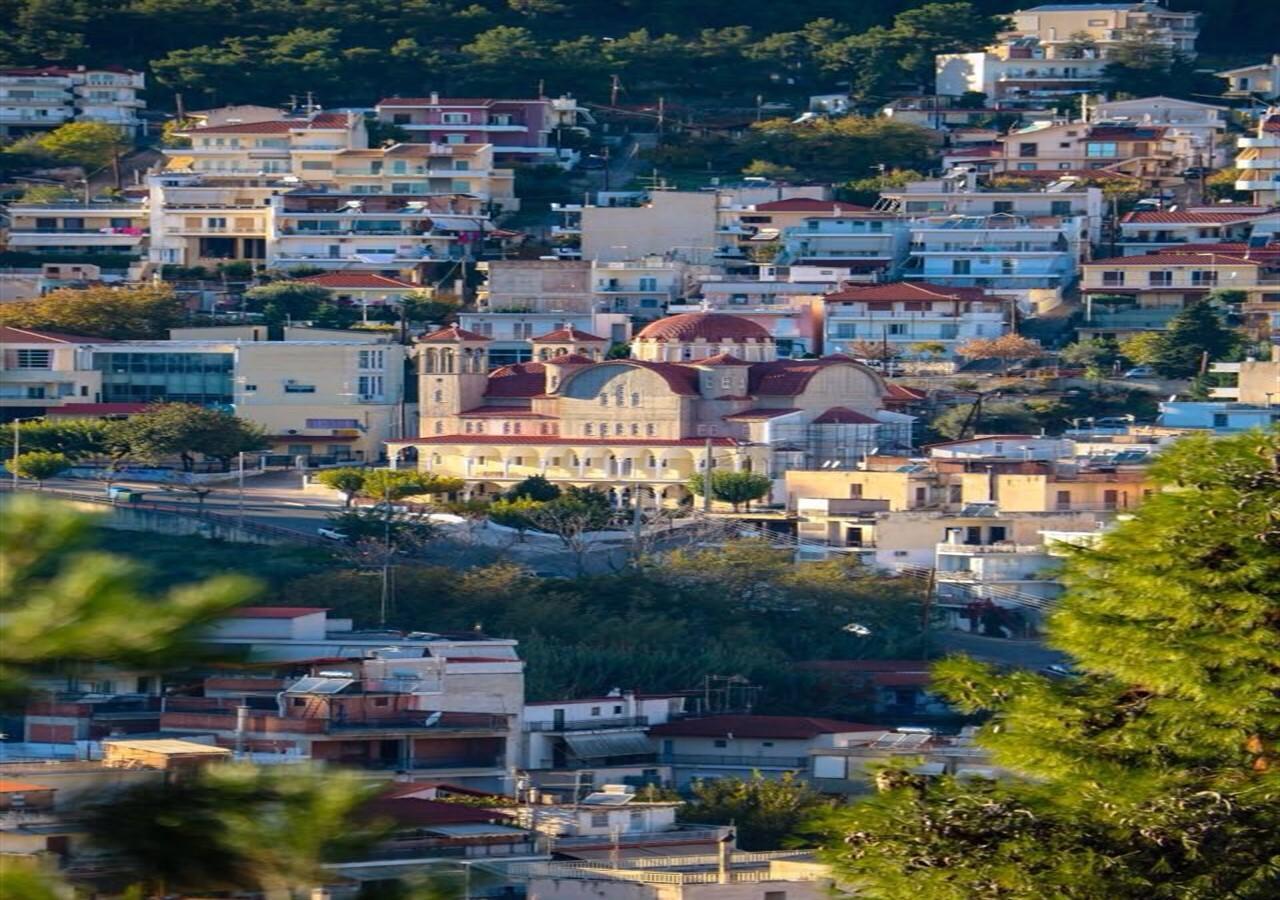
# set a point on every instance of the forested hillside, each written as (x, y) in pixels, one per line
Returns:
(218, 51)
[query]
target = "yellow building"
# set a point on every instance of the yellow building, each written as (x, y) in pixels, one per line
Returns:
(697, 384)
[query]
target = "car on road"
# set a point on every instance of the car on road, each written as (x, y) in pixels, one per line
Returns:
(594, 161)
(1140, 372)
(1197, 172)
(331, 534)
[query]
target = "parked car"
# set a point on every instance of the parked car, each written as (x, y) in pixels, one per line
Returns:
(1197, 172)
(594, 161)
(1140, 372)
(331, 533)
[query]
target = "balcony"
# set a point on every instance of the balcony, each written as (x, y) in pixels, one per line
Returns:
(1255, 163)
(728, 761)
(595, 724)
(1272, 184)
(1001, 548)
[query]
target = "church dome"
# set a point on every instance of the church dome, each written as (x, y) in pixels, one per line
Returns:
(710, 327)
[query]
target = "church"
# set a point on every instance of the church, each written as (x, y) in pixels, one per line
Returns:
(697, 386)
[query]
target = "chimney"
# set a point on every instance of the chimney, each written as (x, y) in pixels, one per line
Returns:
(435, 97)
(724, 849)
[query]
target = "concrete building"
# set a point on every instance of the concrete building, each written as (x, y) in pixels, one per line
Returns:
(518, 130)
(1018, 70)
(112, 229)
(41, 98)
(1128, 294)
(1203, 125)
(790, 313)
(860, 245)
(670, 224)
(1257, 380)
(1146, 152)
(1056, 26)
(1260, 81)
(516, 334)
(1259, 160)
(317, 398)
(640, 424)
(1218, 416)
(1144, 231)
(913, 318)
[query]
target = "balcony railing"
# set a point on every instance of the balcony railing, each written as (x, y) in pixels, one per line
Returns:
(999, 548)
(754, 762)
(590, 724)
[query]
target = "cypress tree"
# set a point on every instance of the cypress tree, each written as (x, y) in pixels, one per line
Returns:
(1193, 332)
(1155, 772)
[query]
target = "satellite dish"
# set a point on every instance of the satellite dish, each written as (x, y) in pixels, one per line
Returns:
(433, 719)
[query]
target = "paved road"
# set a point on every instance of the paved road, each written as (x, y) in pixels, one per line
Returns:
(1027, 654)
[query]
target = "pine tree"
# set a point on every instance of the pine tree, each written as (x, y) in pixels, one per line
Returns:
(1154, 772)
(1194, 332)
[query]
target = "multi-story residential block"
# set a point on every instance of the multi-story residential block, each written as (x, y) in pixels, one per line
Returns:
(860, 245)
(1056, 26)
(1195, 129)
(680, 225)
(204, 220)
(1218, 416)
(536, 285)
(1257, 380)
(340, 398)
(944, 114)
(303, 145)
(441, 170)
(1260, 81)
(36, 99)
(643, 287)
(1014, 254)
(1019, 70)
(1128, 294)
(915, 318)
(1259, 160)
(519, 130)
(765, 221)
(1144, 231)
(961, 192)
(1138, 151)
(61, 227)
(640, 426)
(736, 745)
(793, 318)
(598, 740)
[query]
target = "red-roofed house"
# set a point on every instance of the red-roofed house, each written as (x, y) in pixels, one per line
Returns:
(726, 745)
(1124, 295)
(519, 130)
(917, 320)
(1143, 231)
(639, 425)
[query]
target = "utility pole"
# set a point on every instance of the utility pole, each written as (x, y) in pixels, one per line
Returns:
(662, 113)
(707, 463)
(925, 608)
(240, 500)
(614, 85)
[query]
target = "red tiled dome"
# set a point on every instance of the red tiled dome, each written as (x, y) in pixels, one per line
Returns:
(710, 327)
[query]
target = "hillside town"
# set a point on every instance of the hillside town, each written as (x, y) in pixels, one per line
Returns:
(617, 482)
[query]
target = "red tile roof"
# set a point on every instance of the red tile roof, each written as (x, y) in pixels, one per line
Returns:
(908, 290)
(902, 392)
(563, 441)
(1271, 123)
(451, 333)
(810, 204)
(96, 409)
(1188, 217)
(517, 380)
(10, 335)
(788, 377)
(416, 811)
(781, 727)
(275, 612)
(276, 126)
(1173, 258)
(570, 334)
(9, 786)
(842, 415)
(368, 281)
(720, 359)
(438, 101)
(573, 359)
(705, 326)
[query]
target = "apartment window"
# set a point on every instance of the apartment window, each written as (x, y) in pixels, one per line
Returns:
(34, 359)
(1002, 206)
(371, 386)
(317, 164)
(381, 701)
(250, 388)
(1163, 278)
(501, 119)
(618, 428)
(1028, 149)
(1204, 277)
(372, 359)
(1113, 278)
(1006, 267)
(604, 399)
(1100, 149)
(1060, 208)
(600, 820)
(722, 743)
(649, 430)
(897, 328)
(648, 283)
(462, 165)
(216, 223)
(456, 118)
(595, 710)
(586, 429)
(726, 382)
(960, 266)
(401, 119)
(1063, 500)
(455, 138)
(292, 387)
(635, 398)
(399, 167)
(1026, 167)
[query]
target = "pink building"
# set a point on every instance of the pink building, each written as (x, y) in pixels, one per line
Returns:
(519, 130)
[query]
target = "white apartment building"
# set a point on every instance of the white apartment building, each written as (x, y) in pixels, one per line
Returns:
(861, 246)
(1145, 231)
(1261, 81)
(910, 316)
(596, 732)
(1259, 160)
(101, 227)
(36, 99)
(1018, 70)
(1196, 130)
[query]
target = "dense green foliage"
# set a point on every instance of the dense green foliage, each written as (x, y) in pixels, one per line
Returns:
(165, 430)
(39, 465)
(766, 812)
(1153, 772)
(731, 487)
(236, 51)
(1195, 336)
(116, 313)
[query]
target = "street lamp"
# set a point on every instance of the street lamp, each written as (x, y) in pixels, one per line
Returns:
(17, 444)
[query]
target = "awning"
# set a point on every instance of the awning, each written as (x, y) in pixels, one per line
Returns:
(598, 746)
(766, 234)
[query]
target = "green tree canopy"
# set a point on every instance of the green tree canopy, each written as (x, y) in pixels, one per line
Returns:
(1153, 771)
(348, 481)
(1194, 335)
(731, 487)
(74, 438)
(93, 145)
(165, 430)
(396, 484)
(765, 812)
(282, 301)
(115, 313)
(39, 465)
(535, 487)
